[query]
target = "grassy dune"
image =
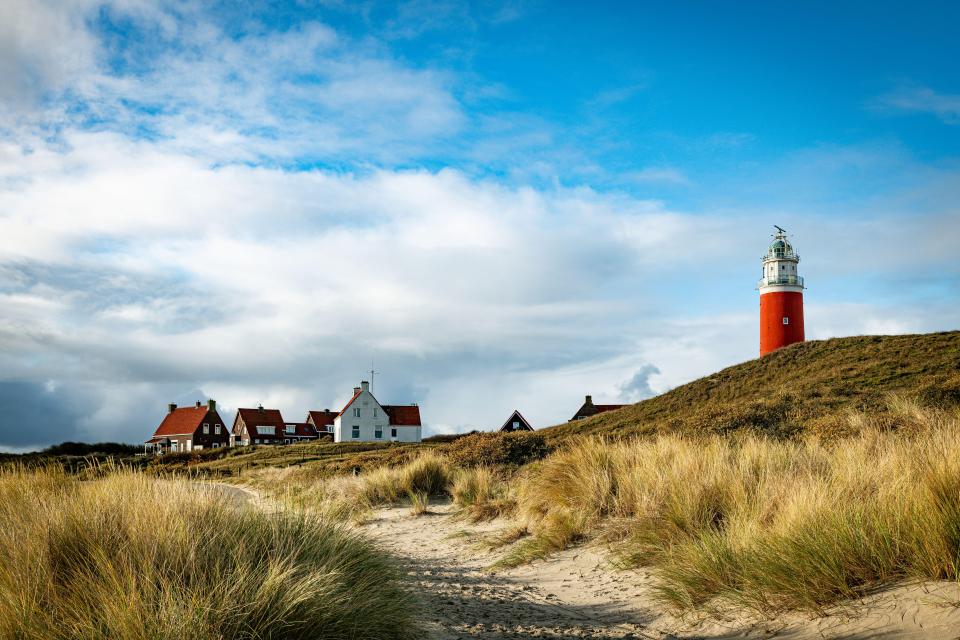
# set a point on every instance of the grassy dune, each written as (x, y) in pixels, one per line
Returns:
(125, 556)
(757, 523)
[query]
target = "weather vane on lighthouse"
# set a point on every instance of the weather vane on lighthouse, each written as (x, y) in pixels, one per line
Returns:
(781, 296)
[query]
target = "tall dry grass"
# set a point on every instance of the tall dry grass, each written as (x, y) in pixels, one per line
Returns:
(759, 523)
(482, 493)
(130, 557)
(353, 497)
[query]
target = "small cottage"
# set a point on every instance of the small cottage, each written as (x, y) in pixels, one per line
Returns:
(189, 429)
(516, 422)
(322, 421)
(589, 409)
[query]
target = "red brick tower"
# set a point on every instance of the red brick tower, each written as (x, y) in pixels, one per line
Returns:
(781, 296)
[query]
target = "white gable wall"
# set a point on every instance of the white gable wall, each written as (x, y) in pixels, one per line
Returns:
(372, 418)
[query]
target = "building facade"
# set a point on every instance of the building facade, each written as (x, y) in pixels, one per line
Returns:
(516, 422)
(781, 296)
(186, 429)
(364, 419)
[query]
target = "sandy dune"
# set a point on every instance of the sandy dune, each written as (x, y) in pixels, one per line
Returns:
(576, 594)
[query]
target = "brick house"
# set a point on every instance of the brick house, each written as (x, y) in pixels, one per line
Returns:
(589, 409)
(322, 421)
(189, 429)
(258, 426)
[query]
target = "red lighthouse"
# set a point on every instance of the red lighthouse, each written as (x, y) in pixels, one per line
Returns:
(781, 296)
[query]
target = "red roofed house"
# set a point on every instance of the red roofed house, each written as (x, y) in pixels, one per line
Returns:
(259, 426)
(589, 409)
(189, 428)
(516, 422)
(364, 419)
(294, 432)
(322, 421)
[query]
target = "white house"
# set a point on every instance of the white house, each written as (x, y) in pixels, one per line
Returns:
(364, 419)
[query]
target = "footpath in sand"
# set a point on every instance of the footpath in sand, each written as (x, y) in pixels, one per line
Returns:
(577, 594)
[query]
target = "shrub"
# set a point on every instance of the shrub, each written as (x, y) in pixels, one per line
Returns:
(130, 557)
(492, 449)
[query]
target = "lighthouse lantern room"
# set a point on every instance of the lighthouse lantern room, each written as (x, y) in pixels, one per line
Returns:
(781, 296)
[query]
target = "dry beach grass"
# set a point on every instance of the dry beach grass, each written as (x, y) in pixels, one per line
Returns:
(125, 556)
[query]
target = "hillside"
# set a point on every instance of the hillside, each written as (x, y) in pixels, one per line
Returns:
(806, 386)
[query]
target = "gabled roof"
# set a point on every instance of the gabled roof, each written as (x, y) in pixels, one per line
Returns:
(403, 415)
(301, 430)
(321, 418)
(516, 416)
(356, 392)
(182, 421)
(260, 417)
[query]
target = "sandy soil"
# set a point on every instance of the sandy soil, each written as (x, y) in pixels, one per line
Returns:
(578, 594)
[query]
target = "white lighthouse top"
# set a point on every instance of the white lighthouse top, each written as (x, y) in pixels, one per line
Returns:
(780, 265)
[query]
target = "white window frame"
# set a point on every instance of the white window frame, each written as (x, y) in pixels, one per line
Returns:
(378, 431)
(264, 430)
(206, 428)
(356, 412)
(393, 432)
(216, 429)
(786, 320)
(355, 432)
(290, 429)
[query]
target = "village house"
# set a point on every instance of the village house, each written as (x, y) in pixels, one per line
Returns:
(322, 421)
(364, 419)
(258, 426)
(589, 409)
(189, 429)
(516, 422)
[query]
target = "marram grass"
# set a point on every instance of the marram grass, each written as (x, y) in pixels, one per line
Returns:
(135, 558)
(759, 523)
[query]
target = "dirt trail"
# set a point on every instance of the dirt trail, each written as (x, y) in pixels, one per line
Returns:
(577, 594)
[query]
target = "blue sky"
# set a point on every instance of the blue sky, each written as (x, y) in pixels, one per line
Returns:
(502, 204)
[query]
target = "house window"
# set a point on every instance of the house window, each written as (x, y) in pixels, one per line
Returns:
(374, 413)
(216, 445)
(206, 428)
(256, 441)
(216, 429)
(393, 432)
(265, 431)
(786, 321)
(516, 424)
(355, 431)
(378, 432)
(356, 413)
(291, 428)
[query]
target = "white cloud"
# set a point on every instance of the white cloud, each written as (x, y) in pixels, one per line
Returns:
(944, 106)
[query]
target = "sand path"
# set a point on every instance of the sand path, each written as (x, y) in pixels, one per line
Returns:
(578, 594)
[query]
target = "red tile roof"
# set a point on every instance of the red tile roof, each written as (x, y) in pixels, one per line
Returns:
(301, 430)
(403, 415)
(182, 421)
(321, 418)
(254, 418)
(608, 407)
(356, 392)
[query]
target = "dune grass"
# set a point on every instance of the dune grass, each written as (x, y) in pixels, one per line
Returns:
(131, 557)
(758, 523)
(482, 494)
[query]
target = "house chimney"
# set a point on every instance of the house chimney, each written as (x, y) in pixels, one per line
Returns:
(589, 400)
(356, 390)
(171, 407)
(260, 408)
(198, 404)
(365, 385)
(211, 405)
